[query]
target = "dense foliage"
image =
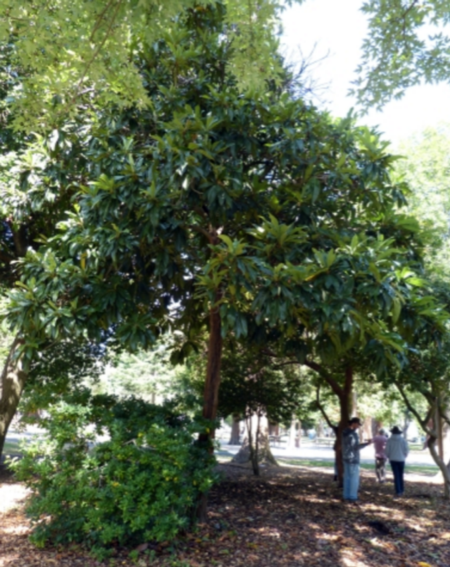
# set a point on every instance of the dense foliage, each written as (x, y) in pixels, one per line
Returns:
(140, 481)
(70, 52)
(407, 44)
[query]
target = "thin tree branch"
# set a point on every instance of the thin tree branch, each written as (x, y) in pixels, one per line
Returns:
(323, 412)
(337, 389)
(416, 414)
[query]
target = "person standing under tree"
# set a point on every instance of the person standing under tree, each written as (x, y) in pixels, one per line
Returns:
(396, 451)
(350, 456)
(379, 442)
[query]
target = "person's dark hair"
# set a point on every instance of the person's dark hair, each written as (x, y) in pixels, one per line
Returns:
(355, 420)
(396, 431)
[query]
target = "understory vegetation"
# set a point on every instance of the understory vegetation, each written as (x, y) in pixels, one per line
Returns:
(141, 480)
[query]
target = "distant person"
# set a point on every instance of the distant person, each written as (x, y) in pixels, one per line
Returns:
(396, 451)
(350, 456)
(379, 443)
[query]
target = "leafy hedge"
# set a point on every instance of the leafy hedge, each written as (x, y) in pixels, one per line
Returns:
(140, 483)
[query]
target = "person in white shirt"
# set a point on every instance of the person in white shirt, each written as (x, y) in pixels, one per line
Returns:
(396, 451)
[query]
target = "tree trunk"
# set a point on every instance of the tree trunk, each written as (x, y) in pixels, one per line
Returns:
(354, 409)
(212, 383)
(235, 431)
(345, 406)
(344, 395)
(445, 471)
(211, 391)
(274, 429)
(430, 426)
(440, 434)
(255, 448)
(12, 383)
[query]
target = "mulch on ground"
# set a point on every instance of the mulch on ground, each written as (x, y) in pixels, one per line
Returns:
(288, 517)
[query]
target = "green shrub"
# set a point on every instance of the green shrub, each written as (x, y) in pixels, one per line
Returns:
(140, 482)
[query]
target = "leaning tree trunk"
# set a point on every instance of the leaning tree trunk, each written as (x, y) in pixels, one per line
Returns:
(12, 383)
(443, 467)
(431, 425)
(436, 448)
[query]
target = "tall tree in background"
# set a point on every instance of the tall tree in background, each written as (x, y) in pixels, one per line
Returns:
(407, 44)
(425, 166)
(71, 51)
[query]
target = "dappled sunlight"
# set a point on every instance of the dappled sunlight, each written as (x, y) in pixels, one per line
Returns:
(9, 559)
(11, 495)
(15, 529)
(296, 518)
(349, 558)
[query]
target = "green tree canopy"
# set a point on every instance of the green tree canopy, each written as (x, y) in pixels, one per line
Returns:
(246, 214)
(407, 44)
(425, 166)
(58, 54)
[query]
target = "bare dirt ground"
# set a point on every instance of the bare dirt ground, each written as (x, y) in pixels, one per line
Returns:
(288, 517)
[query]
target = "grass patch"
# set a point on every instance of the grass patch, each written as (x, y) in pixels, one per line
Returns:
(11, 448)
(417, 469)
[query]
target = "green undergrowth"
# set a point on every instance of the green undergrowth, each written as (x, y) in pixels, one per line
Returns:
(114, 474)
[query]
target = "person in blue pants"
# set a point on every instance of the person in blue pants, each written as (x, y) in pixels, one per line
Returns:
(350, 456)
(396, 451)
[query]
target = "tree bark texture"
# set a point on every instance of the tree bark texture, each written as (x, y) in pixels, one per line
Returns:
(12, 383)
(212, 383)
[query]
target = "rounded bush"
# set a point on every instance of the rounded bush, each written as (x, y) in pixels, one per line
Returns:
(115, 473)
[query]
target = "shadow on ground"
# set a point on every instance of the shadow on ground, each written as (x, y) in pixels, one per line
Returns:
(288, 517)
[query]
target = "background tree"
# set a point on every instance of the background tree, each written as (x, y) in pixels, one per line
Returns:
(427, 374)
(259, 391)
(86, 52)
(147, 375)
(34, 196)
(407, 44)
(425, 166)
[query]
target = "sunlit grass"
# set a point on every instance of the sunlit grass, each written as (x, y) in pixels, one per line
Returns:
(416, 469)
